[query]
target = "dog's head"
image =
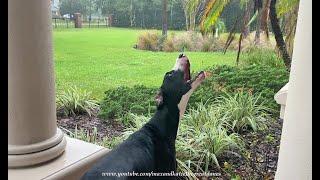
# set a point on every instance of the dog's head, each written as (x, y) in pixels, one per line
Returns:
(176, 83)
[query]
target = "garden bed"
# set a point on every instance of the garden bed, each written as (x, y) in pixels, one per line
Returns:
(262, 147)
(108, 129)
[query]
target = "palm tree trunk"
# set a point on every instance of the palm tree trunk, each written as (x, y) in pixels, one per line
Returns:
(278, 34)
(164, 17)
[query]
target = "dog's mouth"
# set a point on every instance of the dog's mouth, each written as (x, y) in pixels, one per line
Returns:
(183, 64)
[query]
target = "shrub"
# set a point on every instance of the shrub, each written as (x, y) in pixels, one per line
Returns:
(194, 41)
(208, 44)
(168, 45)
(119, 101)
(202, 148)
(265, 43)
(75, 101)
(260, 56)
(149, 41)
(256, 79)
(183, 41)
(242, 111)
(201, 145)
(264, 80)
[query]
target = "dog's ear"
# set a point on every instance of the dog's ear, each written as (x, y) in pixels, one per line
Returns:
(159, 98)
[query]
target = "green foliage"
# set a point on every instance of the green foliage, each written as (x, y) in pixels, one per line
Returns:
(285, 6)
(118, 102)
(256, 79)
(243, 111)
(143, 14)
(200, 143)
(212, 12)
(75, 101)
(206, 133)
(74, 6)
(261, 56)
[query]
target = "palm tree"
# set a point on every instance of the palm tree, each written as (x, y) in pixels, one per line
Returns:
(212, 11)
(278, 34)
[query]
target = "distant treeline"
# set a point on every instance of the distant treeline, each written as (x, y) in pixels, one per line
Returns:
(142, 13)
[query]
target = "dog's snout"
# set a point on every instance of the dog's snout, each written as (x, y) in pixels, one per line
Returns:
(183, 64)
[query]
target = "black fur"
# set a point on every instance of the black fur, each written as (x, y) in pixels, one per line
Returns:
(152, 148)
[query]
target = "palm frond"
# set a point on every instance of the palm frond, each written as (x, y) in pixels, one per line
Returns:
(212, 11)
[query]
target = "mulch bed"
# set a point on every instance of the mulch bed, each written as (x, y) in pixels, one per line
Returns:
(260, 161)
(110, 128)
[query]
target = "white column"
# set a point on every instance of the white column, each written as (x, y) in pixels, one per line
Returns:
(33, 136)
(295, 154)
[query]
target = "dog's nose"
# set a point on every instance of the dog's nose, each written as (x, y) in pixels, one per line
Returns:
(182, 63)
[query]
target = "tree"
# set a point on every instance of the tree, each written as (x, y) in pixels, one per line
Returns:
(278, 34)
(258, 9)
(246, 19)
(193, 8)
(265, 17)
(164, 17)
(185, 10)
(73, 6)
(288, 11)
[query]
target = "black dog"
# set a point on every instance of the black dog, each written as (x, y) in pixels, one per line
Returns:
(152, 148)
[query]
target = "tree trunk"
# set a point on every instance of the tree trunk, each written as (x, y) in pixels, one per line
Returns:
(290, 29)
(192, 21)
(171, 14)
(265, 17)
(164, 17)
(246, 30)
(239, 49)
(131, 14)
(278, 34)
(258, 26)
(187, 21)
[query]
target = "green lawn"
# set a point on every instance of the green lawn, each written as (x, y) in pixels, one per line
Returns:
(99, 59)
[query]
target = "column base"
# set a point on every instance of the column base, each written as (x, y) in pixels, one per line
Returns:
(21, 156)
(77, 158)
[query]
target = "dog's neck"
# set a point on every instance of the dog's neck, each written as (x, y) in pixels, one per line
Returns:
(167, 121)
